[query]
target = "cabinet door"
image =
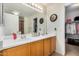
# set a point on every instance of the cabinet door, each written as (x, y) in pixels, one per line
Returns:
(36, 48)
(53, 44)
(22, 50)
(0, 54)
(28, 49)
(46, 47)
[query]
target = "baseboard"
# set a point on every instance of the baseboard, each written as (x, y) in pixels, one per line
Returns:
(53, 54)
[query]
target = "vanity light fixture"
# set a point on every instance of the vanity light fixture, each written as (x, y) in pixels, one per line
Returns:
(34, 6)
(15, 13)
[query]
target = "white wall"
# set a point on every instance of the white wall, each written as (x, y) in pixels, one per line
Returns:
(51, 25)
(27, 25)
(58, 9)
(11, 23)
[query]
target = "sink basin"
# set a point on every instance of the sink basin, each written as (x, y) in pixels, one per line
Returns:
(11, 42)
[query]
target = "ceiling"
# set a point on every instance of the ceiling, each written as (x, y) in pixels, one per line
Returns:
(24, 10)
(68, 4)
(19, 7)
(72, 6)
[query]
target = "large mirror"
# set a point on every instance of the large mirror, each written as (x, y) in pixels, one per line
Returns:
(22, 19)
(1, 14)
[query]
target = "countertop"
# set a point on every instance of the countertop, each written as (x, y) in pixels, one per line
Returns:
(13, 43)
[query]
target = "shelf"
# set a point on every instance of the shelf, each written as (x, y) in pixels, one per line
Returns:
(73, 22)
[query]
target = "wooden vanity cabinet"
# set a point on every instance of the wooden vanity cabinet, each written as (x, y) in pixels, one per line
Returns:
(52, 44)
(1, 54)
(42, 47)
(36, 48)
(23, 50)
(47, 47)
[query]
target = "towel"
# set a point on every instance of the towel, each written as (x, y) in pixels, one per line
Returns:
(77, 27)
(70, 28)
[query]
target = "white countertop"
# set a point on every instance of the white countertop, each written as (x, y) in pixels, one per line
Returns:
(12, 43)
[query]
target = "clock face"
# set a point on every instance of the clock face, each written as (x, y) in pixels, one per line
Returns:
(53, 17)
(41, 20)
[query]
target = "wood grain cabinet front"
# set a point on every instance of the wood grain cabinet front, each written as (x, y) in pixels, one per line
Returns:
(23, 50)
(53, 44)
(36, 48)
(1, 53)
(47, 47)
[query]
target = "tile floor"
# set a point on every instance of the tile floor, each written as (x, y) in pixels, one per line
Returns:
(71, 50)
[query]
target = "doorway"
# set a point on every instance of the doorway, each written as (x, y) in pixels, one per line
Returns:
(21, 25)
(72, 30)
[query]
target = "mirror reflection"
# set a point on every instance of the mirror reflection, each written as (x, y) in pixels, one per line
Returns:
(22, 19)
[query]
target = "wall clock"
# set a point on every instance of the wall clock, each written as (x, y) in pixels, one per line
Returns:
(53, 17)
(41, 21)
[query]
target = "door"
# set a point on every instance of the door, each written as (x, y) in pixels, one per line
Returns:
(21, 25)
(47, 47)
(23, 50)
(36, 48)
(53, 44)
(35, 25)
(1, 53)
